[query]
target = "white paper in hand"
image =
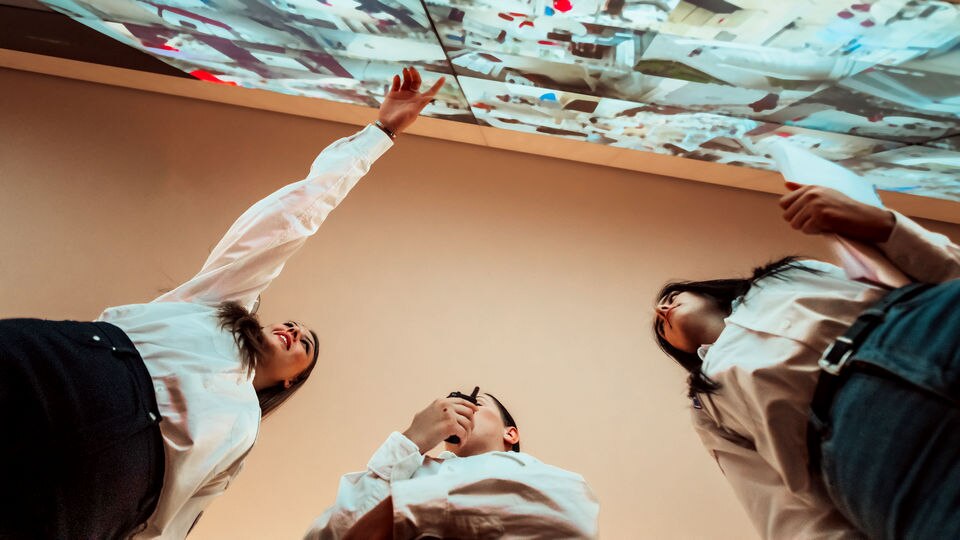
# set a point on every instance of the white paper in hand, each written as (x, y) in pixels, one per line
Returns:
(859, 260)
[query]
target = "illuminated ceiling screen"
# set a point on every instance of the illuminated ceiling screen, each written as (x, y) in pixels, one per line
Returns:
(872, 85)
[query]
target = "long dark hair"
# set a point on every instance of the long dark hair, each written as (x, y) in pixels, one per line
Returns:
(248, 333)
(723, 292)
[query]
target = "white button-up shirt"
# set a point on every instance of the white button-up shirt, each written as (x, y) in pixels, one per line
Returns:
(766, 362)
(209, 408)
(492, 495)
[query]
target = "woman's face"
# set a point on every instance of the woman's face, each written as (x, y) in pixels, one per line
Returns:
(688, 320)
(290, 349)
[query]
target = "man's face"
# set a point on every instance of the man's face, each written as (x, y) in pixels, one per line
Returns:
(489, 433)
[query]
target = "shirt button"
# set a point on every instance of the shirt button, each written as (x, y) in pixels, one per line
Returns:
(96, 338)
(152, 416)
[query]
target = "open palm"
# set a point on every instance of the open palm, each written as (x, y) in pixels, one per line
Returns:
(404, 101)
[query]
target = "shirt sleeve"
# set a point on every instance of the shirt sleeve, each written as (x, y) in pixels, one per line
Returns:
(776, 512)
(254, 250)
(923, 255)
(398, 458)
(501, 498)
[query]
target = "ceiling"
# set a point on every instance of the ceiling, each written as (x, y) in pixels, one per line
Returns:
(874, 85)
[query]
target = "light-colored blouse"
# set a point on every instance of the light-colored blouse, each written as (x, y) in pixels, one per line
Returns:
(491, 495)
(209, 408)
(766, 363)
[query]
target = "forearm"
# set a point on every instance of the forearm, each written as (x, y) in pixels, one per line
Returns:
(924, 255)
(255, 248)
(360, 492)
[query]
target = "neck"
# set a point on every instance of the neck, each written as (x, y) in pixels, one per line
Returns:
(711, 329)
(261, 381)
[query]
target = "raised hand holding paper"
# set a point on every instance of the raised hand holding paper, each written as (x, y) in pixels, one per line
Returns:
(859, 259)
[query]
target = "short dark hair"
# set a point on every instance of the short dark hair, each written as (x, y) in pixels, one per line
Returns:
(507, 420)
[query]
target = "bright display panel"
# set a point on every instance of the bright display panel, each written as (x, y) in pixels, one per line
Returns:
(874, 85)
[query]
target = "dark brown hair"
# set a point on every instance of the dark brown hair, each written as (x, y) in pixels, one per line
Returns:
(248, 333)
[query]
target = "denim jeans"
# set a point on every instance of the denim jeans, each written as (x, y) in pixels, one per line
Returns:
(891, 459)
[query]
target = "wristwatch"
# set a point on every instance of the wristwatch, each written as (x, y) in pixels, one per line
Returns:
(385, 129)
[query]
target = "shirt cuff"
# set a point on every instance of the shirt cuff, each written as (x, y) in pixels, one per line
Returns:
(925, 255)
(372, 142)
(398, 458)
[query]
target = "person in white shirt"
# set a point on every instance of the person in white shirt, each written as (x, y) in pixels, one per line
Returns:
(479, 487)
(133, 424)
(831, 405)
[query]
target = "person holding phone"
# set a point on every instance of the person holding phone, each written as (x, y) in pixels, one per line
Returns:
(481, 486)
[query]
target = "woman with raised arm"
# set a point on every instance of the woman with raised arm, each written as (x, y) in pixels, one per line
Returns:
(134, 423)
(831, 405)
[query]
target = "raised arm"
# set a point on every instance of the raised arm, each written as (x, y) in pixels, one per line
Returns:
(257, 246)
(921, 254)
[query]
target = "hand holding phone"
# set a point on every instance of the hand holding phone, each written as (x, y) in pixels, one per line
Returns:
(445, 417)
(472, 398)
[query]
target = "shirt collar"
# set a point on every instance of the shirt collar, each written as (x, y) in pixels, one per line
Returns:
(703, 350)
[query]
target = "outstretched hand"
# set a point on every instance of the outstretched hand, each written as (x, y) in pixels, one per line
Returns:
(819, 210)
(404, 101)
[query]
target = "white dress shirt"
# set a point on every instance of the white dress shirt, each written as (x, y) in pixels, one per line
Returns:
(492, 495)
(766, 363)
(209, 408)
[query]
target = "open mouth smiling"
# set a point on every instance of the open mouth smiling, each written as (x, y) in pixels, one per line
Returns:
(285, 339)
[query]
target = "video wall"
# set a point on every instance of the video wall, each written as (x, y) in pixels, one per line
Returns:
(873, 85)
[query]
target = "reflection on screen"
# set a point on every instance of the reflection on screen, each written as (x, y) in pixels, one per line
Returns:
(874, 85)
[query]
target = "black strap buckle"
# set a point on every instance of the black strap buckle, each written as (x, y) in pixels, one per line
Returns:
(837, 355)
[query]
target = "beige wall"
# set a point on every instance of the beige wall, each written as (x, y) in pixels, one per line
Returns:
(448, 266)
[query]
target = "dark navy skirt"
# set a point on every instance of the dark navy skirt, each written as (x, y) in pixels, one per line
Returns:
(81, 455)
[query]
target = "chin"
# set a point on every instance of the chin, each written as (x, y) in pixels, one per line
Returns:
(454, 448)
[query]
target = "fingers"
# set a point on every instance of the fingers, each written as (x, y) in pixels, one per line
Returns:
(459, 416)
(807, 222)
(803, 220)
(465, 403)
(405, 85)
(395, 86)
(801, 209)
(792, 196)
(415, 79)
(793, 186)
(464, 426)
(428, 95)
(463, 410)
